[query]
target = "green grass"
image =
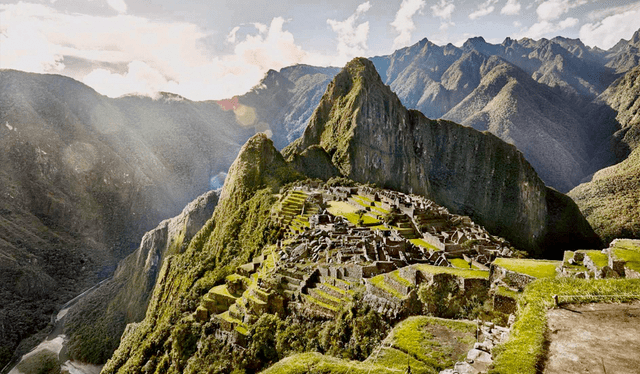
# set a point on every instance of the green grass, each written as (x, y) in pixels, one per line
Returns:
(423, 243)
(428, 344)
(525, 348)
(632, 257)
(599, 259)
(396, 276)
(534, 268)
(317, 363)
(363, 198)
(380, 282)
(339, 208)
(461, 263)
(507, 292)
(464, 273)
(326, 296)
(222, 290)
(313, 300)
(627, 244)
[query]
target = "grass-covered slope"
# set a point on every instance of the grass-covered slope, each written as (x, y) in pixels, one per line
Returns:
(427, 344)
(239, 228)
(610, 200)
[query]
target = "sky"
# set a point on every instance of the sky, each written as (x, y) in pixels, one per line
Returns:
(216, 49)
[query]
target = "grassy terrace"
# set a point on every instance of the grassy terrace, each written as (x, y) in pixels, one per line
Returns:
(348, 211)
(395, 275)
(222, 290)
(313, 300)
(424, 244)
(465, 273)
(318, 363)
(435, 343)
(428, 344)
(525, 349)
(599, 259)
(461, 263)
(632, 257)
(507, 292)
(534, 268)
(380, 282)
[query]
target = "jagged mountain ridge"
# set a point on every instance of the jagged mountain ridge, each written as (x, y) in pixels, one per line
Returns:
(372, 138)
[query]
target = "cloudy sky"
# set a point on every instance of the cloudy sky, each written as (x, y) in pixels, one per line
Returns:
(216, 49)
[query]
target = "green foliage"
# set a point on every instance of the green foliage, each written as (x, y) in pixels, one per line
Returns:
(534, 268)
(340, 181)
(442, 298)
(263, 348)
(43, 362)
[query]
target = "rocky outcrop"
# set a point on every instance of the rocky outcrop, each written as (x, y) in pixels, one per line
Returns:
(94, 325)
(372, 138)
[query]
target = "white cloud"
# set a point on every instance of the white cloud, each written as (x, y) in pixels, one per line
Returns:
(568, 23)
(443, 9)
(550, 10)
(119, 5)
(544, 28)
(511, 8)
(140, 78)
(231, 36)
(483, 9)
(607, 32)
(599, 14)
(160, 55)
(352, 36)
(403, 23)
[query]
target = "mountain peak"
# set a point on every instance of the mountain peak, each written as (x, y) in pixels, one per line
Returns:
(635, 39)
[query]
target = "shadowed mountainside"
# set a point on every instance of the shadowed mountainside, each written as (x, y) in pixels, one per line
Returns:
(611, 198)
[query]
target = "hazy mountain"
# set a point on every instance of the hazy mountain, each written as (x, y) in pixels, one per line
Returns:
(372, 138)
(82, 177)
(284, 100)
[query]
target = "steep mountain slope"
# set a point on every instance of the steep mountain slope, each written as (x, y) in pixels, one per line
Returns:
(167, 339)
(94, 325)
(371, 137)
(610, 199)
(82, 177)
(530, 115)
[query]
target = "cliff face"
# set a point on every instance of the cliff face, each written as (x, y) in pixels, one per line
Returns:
(95, 324)
(371, 137)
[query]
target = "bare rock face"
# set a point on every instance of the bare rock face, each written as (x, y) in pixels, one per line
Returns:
(371, 137)
(95, 324)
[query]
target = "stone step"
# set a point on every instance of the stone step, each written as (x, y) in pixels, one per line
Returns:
(325, 297)
(317, 305)
(235, 312)
(332, 290)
